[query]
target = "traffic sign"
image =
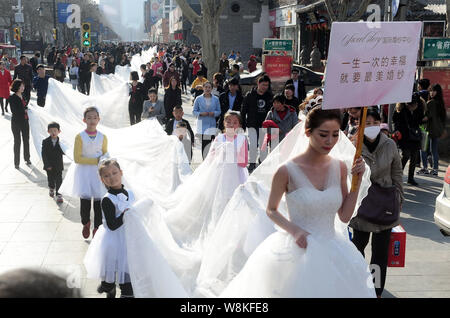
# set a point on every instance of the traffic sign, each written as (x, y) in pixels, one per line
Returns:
(278, 45)
(436, 48)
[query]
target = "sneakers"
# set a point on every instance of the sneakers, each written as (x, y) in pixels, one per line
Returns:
(87, 230)
(94, 231)
(59, 198)
(434, 172)
(423, 171)
(28, 163)
(51, 193)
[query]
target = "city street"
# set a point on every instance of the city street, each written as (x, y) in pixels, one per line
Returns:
(36, 232)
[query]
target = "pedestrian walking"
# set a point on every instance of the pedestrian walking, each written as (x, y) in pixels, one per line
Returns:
(24, 72)
(137, 96)
(381, 155)
(19, 122)
(5, 84)
(40, 84)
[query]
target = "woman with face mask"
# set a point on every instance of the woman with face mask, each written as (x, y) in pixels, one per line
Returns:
(382, 156)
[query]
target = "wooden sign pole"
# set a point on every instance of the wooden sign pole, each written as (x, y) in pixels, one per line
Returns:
(359, 144)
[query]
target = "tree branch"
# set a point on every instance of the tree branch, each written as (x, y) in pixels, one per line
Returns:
(187, 10)
(330, 10)
(310, 7)
(361, 10)
(342, 10)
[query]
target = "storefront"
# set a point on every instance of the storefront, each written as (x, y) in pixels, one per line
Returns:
(286, 23)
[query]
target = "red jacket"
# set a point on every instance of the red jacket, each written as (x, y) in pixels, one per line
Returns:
(5, 83)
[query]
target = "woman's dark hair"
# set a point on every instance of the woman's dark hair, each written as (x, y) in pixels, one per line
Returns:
(16, 85)
(219, 78)
(170, 83)
(134, 76)
(152, 91)
(424, 83)
(279, 98)
(317, 116)
(30, 283)
(143, 66)
(439, 98)
(290, 87)
(373, 112)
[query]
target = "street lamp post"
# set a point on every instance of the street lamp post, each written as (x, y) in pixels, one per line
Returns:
(53, 4)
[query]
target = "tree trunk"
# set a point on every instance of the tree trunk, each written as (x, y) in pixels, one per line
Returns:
(448, 18)
(206, 28)
(209, 38)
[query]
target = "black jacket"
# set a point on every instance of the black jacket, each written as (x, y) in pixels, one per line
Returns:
(172, 98)
(294, 102)
(403, 121)
(52, 156)
(136, 102)
(150, 81)
(225, 106)
(17, 110)
(84, 71)
(255, 108)
(25, 73)
(169, 128)
(301, 88)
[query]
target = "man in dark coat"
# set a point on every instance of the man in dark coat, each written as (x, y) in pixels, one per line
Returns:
(24, 72)
(297, 81)
(255, 107)
(231, 99)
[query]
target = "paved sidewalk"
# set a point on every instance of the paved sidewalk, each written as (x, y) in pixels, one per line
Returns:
(36, 232)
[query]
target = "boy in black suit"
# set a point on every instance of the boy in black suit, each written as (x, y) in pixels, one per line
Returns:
(177, 125)
(52, 156)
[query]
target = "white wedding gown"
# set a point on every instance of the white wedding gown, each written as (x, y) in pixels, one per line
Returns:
(330, 266)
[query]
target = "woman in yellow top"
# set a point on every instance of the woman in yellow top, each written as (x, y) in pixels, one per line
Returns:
(197, 85)
(82, 179)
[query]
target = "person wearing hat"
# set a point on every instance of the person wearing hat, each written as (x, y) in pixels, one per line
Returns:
(251, 65)
(40, 84)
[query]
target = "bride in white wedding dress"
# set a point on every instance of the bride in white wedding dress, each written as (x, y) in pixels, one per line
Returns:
(307, 257)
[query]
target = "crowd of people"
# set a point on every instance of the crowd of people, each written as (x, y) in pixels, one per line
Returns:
(223, 114)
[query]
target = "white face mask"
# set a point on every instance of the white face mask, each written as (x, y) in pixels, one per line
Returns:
(372, 132)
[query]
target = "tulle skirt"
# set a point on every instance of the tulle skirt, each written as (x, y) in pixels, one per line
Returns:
(328, 268)
(106, 258)
(83, 181)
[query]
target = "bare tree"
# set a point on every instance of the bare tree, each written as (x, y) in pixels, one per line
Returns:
(206, 28)
(338, 10)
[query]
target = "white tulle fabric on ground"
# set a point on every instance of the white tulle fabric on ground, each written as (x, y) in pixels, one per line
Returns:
(330, 266)
(156, 263)
(244, 223)
(196, 206)
(153, 162)
(106, 258)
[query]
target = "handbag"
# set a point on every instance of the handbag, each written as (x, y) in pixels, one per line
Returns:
(73, 76)
(381, 205)
(425, 139)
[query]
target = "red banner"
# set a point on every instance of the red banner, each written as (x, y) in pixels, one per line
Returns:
(277, 67)
(440, 76)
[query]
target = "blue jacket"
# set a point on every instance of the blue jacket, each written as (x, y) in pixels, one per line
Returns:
(206, 122)
(41, 85)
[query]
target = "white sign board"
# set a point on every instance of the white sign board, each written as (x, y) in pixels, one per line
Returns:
(370, 65)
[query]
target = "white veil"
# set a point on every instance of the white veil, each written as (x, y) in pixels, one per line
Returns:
(244, 223)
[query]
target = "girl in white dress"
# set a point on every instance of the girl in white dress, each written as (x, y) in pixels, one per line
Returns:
(106, 258)
(82, 179)
(124, 251)
(208, 190)
(307, 257)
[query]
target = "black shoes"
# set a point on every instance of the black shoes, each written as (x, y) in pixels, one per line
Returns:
(28, 163)
(110, 292)
(251, 167)
(413, 182)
